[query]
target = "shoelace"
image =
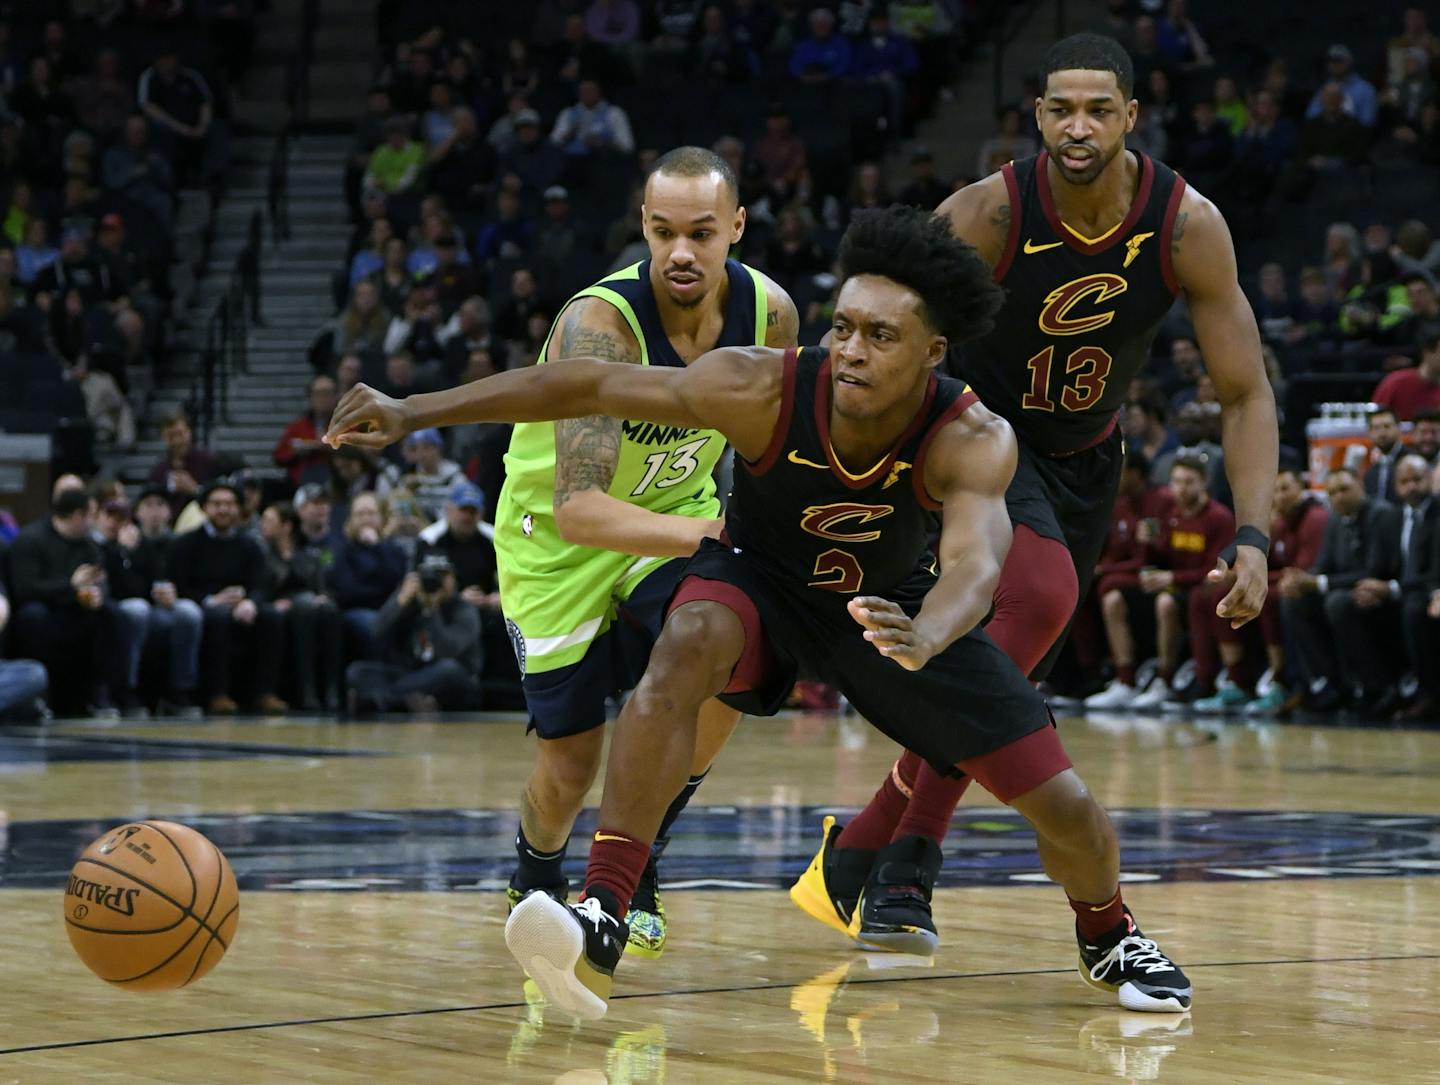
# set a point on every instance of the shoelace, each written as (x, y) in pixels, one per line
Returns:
(593, 910)
(1142, 953)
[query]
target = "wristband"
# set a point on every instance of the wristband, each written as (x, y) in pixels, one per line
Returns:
(1246, 536)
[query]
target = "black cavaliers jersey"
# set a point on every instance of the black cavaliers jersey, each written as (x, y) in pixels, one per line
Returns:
(803, 517)
(1079, 315)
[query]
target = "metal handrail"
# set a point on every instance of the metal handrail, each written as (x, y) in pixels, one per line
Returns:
(227, 334)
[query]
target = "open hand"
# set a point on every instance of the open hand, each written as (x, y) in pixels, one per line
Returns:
(1249, 582)
(367, 418)
(891, 630)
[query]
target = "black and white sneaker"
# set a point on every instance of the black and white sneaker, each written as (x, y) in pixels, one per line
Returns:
(569, 950)
(1127, 962)
(893, 913)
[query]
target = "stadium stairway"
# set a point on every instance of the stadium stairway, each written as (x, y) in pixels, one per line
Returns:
(294, 301)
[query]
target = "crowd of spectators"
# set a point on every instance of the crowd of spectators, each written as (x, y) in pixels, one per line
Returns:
(105, 119)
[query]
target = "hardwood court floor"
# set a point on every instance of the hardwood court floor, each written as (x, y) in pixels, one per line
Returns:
(1291, 870)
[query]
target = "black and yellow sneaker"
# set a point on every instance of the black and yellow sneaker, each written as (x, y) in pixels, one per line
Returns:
(646, 917)
(894, 909)
(515, 892)
(1127, 962)
(569, 950)
(831, 884)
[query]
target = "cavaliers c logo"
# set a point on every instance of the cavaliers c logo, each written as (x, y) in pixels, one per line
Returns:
(1055, 318)
(824, 520)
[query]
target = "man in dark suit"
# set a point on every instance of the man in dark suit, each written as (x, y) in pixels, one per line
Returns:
(1316, 602)
(1420, 612)
(1370, 635)
(1385, 434)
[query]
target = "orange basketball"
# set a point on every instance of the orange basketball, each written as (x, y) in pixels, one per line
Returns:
(151, 906)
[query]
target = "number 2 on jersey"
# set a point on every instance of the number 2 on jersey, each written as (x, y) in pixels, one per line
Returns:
(1090, 368)
(680, 461)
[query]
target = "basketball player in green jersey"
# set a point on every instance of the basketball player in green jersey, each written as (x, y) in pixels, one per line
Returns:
(595, 511)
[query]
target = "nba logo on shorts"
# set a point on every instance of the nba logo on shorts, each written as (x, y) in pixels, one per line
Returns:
(517, 642)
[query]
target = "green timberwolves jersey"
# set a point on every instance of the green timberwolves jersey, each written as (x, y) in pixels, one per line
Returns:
(553, 590)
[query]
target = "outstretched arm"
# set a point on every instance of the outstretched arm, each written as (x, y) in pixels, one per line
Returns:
(1204, 262)
(968, 470)
(735, 390)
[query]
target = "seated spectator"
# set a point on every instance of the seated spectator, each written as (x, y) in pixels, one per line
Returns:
(462, 165)
(394, 279)
(560, 238)
(464, 333)
(173, 622)
(592, 124)
(410, 85)
(793, 250)
(1398, 568)
(23, 682)
(367, 568)
(103, 99)
(309, 618)
(347, 373)
(371, 259)
(523, 301)
(504, 134)
(887, 59)
(151, 613)
(401, 377)
(353, 471)
(1420, 614)
(1262, 149)
(395, 165)
(1358, 97)
(1331, 138)
(1416, 248)
(1414, 35)
(184, 468)
(1423, 323)
(1425, 437)
(316, 535)
(431, 645)
(62, 615)
(613, 22)
(1191, 535)
(1315, 602)
(825, 54)
(437, 229)
(1191, 429)
(924, 189)
(1411, 91)
(363, 324)
(77, 269)
(1316, 314)
(510, 236)
(717, 55)
(455, 279)
(1207, 149)
(300, 451)
(1009, 143)
(868, 191)
(1143, 423)
(431, 477)
(1409, 392)
(780, 155)
(35, 254)
(537, 161)
(223, 570)
(437, 123)
(415, 329)
(106, 408)
(135, 169)
(369, 134)
(178, 101)
(1178, 38)
(1384, 429)
(47, 111)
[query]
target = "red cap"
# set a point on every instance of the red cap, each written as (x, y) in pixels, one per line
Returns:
(112, 221)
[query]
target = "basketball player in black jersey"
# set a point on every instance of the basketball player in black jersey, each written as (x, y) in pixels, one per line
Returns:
(843, 461)
(1092, 244)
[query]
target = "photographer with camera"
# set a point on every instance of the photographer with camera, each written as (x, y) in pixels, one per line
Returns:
(430, 638)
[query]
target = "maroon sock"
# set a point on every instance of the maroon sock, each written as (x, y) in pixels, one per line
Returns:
(872, 827)
(1097, 920)
(1126, 673)
(1035, 598)
(616, 862)
(932, 805)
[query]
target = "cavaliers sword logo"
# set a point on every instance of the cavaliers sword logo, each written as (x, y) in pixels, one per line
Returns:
(825, 520)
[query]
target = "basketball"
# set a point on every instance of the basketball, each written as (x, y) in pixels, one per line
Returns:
(151, 906)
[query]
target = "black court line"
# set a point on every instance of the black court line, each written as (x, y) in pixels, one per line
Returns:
(737, 989)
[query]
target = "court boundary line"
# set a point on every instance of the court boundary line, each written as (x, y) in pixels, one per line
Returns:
(736, 989)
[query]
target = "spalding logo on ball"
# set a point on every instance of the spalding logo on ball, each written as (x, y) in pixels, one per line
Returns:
(151, 906)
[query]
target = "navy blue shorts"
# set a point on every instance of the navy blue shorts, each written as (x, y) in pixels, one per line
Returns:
(571, 700)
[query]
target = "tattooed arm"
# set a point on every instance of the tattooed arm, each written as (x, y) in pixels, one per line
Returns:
(782, 320)
(587, 452)
(980, 214)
